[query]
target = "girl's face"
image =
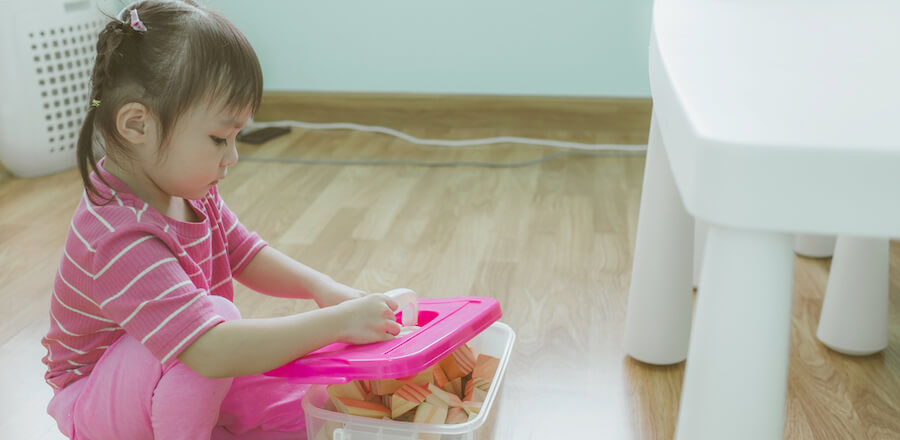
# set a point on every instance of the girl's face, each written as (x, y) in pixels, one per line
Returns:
(200, 150)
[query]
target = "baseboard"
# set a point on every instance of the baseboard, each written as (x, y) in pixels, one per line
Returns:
(613, 120)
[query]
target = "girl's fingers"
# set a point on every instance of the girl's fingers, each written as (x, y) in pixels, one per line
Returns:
(391, 303)
(393, 328)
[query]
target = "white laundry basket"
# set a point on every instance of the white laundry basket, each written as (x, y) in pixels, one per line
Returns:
(47, 50)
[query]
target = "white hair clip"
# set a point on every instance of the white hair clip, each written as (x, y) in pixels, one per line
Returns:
(136, 22)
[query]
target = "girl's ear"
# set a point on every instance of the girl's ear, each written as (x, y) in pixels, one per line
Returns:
(133, 122)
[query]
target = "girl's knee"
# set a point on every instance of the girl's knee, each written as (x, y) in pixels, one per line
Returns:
(225, 308)
(180, 385)
(185, 404)
(179, 378)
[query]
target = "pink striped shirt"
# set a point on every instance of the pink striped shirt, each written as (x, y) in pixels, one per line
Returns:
(128, 268)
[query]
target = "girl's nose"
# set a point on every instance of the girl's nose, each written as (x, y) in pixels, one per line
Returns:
(232, 157)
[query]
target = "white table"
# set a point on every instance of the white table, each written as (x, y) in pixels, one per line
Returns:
(770, 118)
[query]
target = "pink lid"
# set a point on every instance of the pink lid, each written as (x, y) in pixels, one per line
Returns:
(447, 323)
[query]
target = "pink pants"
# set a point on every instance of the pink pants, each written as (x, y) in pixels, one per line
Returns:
(130, 395)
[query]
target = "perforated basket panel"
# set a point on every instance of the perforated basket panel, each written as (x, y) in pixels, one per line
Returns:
(46, 88)
(62, 61)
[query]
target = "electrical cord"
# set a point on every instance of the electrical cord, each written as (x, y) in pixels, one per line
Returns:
(424, 163)
(580, 149)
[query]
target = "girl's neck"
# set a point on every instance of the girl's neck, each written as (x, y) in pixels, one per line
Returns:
(145, 189)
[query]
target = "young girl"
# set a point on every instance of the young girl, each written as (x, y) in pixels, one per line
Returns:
(144, 340)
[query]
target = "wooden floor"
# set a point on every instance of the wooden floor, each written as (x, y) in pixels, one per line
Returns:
(552, 242)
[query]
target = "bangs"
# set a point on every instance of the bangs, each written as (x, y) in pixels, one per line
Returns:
(231, 66)
(218, 66)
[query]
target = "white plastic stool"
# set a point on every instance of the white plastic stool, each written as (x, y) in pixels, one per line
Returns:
(770, 118)
(854, 318)
(700, 232)
(814, 245)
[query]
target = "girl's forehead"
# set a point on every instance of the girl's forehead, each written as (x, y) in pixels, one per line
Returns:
(220, 115)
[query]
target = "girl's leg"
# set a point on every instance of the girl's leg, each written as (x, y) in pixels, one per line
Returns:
(62, 407)
(129, 395)
(186, 405)
(260, 407)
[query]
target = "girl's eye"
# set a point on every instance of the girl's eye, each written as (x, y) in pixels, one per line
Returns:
(218, 141)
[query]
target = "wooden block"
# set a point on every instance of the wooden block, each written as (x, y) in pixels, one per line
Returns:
(440, 378)
(465, 358)
(454, 386)
(401, 406)
(413, 393)
(476, 385)
(481, 384)
(423, 378)
(478, 395)
(473, 408)
(365, 385)
(442, 398)
(428, 413)
(374, 398)
(339, 406)
(456, 415)
(350, 390)
(409, 416)
(385, 386)
(460, 363)
(386, 400)
(485, 367)
(364, 408)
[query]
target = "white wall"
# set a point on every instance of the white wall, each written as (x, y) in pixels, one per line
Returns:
(523, 47)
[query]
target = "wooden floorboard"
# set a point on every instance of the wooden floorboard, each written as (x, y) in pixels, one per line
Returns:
(553, 242)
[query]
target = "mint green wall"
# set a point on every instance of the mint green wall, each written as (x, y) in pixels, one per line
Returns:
(522, 47)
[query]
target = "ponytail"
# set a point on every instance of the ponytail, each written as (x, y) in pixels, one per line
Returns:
(86, 161)
(108, 41)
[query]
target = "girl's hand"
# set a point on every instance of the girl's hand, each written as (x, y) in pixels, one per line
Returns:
(368, 319)
(333, 293)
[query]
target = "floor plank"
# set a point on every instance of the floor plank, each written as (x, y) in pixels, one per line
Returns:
(552, 242)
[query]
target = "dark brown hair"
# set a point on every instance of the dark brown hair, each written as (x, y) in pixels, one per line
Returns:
(187, 54)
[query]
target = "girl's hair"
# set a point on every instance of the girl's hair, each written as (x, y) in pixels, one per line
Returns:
(188, 54)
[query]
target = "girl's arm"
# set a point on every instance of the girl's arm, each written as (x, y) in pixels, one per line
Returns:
(251, 346)
(276, 274)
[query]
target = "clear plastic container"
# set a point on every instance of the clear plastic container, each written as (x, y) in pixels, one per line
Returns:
(324, 423)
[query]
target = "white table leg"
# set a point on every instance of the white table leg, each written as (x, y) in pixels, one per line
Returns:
(700, 228)
(658, 320)
(814, 246)
(736, 372)
(854, 317)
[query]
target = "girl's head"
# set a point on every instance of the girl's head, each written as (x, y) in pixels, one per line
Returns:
(168, 101)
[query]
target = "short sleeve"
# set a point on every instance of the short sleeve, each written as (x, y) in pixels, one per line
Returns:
(140, 284)
(242, 244)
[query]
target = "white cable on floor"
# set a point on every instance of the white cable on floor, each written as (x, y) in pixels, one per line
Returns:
(425, 163)
(449, 142)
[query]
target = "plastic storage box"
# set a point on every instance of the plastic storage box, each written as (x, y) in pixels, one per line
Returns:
(445, 325)
(324, 423)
